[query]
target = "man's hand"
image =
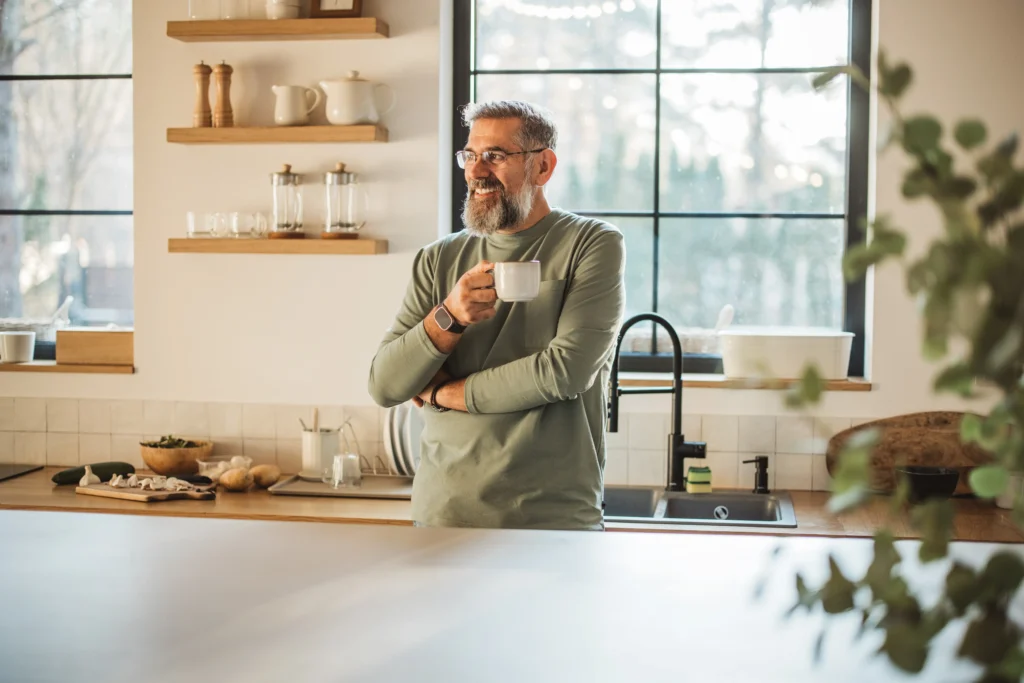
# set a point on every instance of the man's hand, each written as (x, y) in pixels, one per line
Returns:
(473, 298)
(424, 396)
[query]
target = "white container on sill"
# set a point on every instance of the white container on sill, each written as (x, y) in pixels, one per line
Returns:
(783, 353)
(283, 9)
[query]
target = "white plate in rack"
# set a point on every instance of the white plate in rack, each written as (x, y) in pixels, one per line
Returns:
(413, 433)
(389, 445)
(396, 441)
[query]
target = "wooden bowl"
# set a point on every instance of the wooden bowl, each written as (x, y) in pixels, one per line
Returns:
(175, 462)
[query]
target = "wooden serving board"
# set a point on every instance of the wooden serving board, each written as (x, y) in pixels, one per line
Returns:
(147, 496)
(929, 438)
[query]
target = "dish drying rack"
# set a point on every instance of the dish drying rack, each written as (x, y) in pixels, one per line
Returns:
(46, 330)
(367, 466)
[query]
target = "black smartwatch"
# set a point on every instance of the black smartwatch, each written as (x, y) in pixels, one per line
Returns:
(446, 321)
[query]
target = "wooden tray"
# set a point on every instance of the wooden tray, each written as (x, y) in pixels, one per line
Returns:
(928, 438)
(147, 496)
(393, 487)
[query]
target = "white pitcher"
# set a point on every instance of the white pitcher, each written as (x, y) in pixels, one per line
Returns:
(293, 107)
(352, 101)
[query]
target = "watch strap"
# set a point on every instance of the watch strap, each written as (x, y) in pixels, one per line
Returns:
(454, 327)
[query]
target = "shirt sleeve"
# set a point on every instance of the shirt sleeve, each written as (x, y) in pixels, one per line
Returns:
(406, 359)
(584, 341)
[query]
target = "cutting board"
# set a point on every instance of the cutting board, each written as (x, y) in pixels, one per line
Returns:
(147, 496)
(929, 438)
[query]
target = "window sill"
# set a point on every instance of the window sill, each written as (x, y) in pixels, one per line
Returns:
(52, 366)
(651, 379)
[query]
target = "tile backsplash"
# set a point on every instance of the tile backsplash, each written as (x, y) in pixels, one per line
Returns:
(66, 432)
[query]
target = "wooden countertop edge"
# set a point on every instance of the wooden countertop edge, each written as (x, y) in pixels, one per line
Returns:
(720, 382)
(261, 517)
(67, 368)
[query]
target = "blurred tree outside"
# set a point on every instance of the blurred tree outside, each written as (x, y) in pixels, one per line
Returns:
(66, 157)
(749, 141)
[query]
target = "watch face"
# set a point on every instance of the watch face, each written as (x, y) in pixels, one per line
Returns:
(443, 319)
(332, 5)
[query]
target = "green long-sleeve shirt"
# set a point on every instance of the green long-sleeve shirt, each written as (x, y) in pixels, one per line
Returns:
(530, 452)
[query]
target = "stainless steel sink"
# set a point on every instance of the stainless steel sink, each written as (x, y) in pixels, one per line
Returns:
(654, 505)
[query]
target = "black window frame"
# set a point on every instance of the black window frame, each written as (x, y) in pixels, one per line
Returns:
(857, 160)
(46, 350)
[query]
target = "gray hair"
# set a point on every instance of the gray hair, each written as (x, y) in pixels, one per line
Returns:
(537, 126)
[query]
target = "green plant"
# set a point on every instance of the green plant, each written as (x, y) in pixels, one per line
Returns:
(170, 441)
(969, 284)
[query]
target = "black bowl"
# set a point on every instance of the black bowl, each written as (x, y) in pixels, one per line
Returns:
(929, 482)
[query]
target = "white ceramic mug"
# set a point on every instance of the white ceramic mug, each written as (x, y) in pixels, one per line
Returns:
(17, 347)
(517, 280)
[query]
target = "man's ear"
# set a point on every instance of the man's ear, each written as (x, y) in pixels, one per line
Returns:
(545, 166)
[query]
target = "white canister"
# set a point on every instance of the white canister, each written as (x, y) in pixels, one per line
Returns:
(17, 347)
(318, 448)
(282, 9)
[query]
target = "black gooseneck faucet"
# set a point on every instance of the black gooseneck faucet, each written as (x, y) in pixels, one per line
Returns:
(678, 447)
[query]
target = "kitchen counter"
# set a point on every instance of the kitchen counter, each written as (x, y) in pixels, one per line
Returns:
(975, 520)
(126, 598)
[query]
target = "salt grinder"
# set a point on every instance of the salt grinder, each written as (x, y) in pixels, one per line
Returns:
(222, 114)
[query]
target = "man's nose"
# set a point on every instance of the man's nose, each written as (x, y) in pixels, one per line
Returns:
(478, 171)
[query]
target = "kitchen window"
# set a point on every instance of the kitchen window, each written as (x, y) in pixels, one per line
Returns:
(693, 127)
(66, 160)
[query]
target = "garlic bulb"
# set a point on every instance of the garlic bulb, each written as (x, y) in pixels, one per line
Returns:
(88, 477)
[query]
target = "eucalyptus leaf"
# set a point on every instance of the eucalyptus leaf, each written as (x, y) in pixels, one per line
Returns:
(988, 481)
(962, 587)
(970, 133)
(934, 518)
(970, 428)
(988, 639)
(1003, 573)
(885, 559)
(847, 500)
(1012, 666)
(895, 82)
(917, 183)
(957, 378)
(906, 647)
(921, 134)
(837, 593)
(958, 187)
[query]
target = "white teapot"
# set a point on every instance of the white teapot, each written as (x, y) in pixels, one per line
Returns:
(352, 100)
(292, 107)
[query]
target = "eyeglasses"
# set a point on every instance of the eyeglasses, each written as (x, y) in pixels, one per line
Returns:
(492, 157)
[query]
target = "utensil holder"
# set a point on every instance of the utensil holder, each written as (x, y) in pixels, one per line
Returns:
(318, 448)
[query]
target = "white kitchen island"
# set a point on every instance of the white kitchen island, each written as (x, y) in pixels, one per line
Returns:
(89, 597)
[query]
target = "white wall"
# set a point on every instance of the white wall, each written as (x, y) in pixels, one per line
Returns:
(303, 329)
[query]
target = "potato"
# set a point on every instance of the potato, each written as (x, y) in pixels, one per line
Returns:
(237, 479)
(265, 475)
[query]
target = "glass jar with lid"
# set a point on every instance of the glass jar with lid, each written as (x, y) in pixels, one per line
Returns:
(287, 212)
(345, 204)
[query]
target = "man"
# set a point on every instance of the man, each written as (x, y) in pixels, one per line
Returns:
(513, 394)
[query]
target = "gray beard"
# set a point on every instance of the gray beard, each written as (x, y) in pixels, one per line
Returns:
(508, 212)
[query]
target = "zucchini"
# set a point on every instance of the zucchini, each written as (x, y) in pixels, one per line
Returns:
(104, 470)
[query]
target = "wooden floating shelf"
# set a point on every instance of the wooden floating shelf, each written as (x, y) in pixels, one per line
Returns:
(52, 367)
(276, 134)
(238, 30)
(362, 246)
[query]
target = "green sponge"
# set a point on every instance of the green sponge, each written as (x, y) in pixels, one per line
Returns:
(699, 475)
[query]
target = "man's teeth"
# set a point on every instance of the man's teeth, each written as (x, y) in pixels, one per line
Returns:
(489, 190)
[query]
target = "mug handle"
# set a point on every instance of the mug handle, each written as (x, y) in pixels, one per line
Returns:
(316, 99)
(393, 98)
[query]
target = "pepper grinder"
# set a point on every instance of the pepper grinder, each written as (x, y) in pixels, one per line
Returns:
(202, 117)
(222, 114)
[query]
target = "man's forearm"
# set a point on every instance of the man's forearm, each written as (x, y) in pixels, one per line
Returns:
(451, 395)
(443, 340)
